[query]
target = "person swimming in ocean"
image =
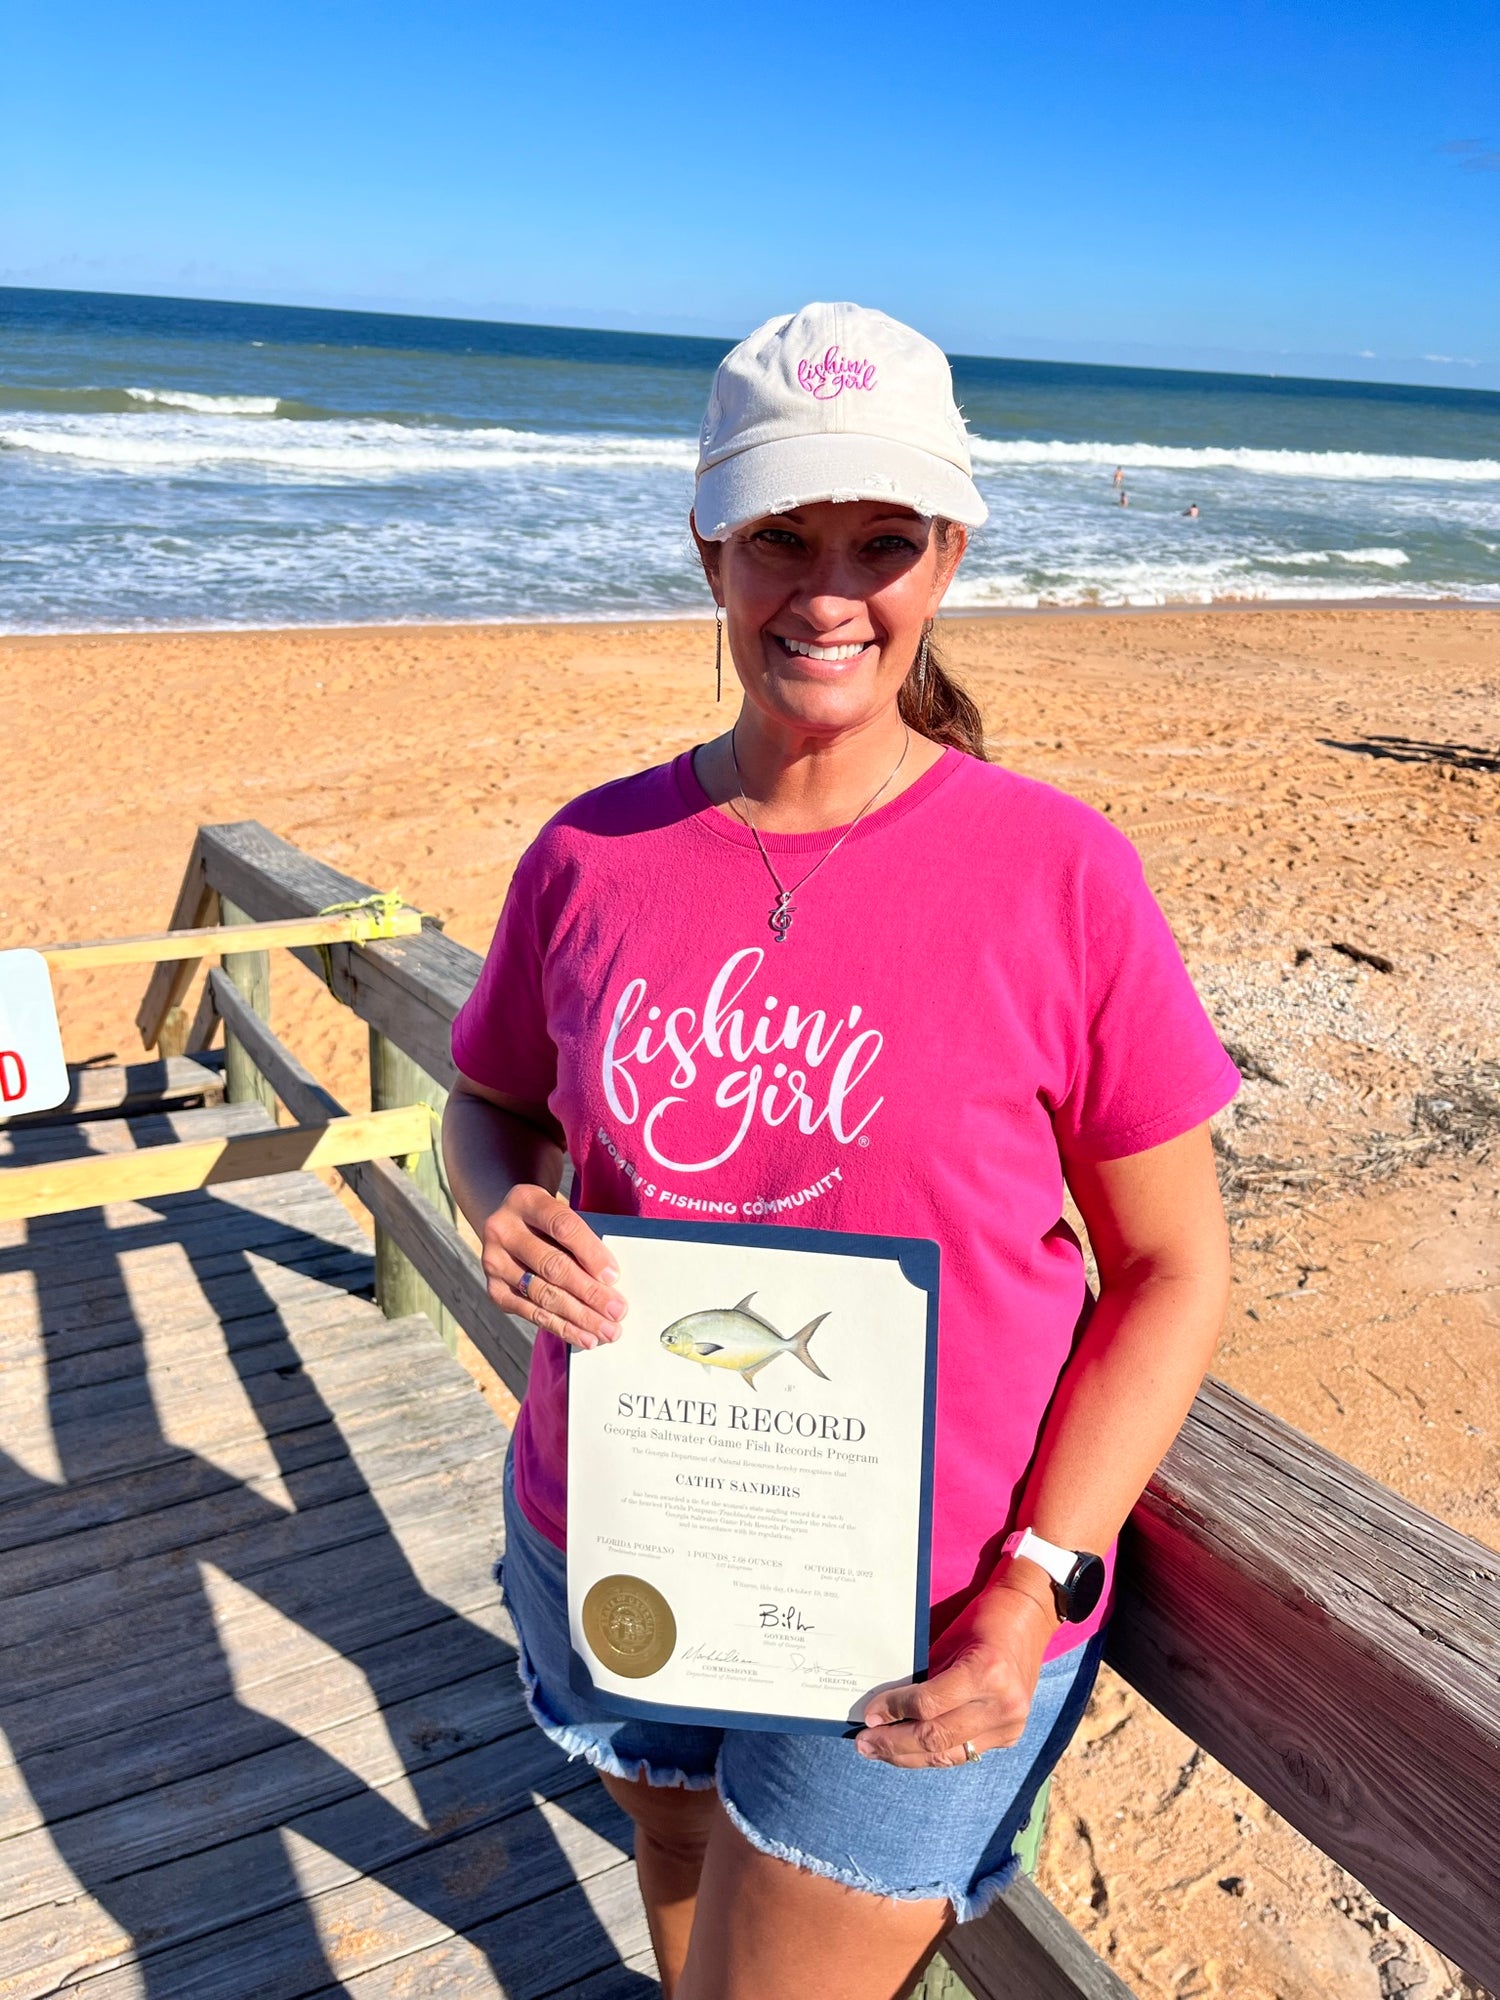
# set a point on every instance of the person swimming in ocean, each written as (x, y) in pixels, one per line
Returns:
(1190, 513)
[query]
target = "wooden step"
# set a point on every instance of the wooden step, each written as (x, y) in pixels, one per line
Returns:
(116, 1090)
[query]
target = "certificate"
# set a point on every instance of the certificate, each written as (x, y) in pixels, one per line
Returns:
(750, 1475)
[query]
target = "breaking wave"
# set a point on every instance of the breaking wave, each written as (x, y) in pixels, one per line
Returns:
(1375, 558)
(312, 511)
(331, 449)
(217, 406)
(993, 454)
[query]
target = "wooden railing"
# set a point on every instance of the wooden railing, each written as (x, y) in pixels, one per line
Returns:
(1332, 1645)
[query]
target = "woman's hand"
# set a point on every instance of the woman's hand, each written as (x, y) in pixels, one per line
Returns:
(571, 1286)
(979, 1690)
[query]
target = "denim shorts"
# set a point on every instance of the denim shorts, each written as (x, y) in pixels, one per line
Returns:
(812, 1800)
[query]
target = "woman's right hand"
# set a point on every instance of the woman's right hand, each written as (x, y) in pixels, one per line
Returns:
(534, 1240)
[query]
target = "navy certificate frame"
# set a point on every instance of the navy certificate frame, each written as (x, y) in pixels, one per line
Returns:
(637, 1609)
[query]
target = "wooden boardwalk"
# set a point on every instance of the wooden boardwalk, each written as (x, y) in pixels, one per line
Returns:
(260, 1730)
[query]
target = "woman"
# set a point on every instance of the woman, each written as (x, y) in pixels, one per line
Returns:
(836, 951)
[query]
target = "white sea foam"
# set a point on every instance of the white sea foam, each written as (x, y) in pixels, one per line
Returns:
(366, 449)
(217, 406)
(343, 518)
(993, 454)
(1376, 558)
(180, 431)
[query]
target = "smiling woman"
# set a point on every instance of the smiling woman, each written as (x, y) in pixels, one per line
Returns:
(835, 959)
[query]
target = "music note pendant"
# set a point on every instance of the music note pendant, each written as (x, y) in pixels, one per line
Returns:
(781, 916)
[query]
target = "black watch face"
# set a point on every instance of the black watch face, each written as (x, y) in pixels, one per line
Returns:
(1084, 1588)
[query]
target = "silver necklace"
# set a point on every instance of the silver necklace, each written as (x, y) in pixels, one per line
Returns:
(784, 909)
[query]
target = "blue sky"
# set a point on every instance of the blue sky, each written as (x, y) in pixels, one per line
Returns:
(1287, 185)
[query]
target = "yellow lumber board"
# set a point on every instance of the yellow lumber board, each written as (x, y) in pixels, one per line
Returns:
(60, 1185)
(162, 946)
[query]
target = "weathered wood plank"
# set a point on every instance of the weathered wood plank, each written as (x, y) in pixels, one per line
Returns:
(113, 1090)
(428, 1238)
(290, 1775)
(472, 1489)
(72, 1248)
(88, 1312)
(400, 1287)
(96, 1683)
(243, 1310)
(380, 1432)
(550, 1946)
(167, 987)
(204, 1027)
(1024, 1945)
(32, 1191)
(468, 1432)
(86, 1774)
(512, 1890)
(203, 1893)
(187, 1645)
(158, 947)
(72, 1253)
(249, 973)
(195, 1377)
(192, 1374)
(449, 1266)
(132, 1683)
(28, 1143)
(1338, 1649)
(100, 1339)
(136, 1443)
(408, 989)
(634, 1978)
(194, 1387)
(81, 1271)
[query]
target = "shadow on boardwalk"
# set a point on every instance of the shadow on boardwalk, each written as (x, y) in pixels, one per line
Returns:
(203, 1826)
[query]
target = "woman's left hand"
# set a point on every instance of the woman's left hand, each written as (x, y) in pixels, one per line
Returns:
(978, 1691)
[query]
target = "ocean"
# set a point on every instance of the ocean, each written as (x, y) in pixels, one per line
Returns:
(179, 463)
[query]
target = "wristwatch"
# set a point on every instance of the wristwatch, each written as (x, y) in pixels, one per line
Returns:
(1077, 1577)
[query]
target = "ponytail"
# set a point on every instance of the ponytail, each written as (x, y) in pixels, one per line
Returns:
(934, 704)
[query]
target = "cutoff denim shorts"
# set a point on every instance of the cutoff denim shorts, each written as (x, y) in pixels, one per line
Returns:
(808, 1799)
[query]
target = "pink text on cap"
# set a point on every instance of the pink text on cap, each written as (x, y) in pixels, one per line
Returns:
(833, 374)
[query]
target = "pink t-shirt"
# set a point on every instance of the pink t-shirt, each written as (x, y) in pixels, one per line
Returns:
(978, 985)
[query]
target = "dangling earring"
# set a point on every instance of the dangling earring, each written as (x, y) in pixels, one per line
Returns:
(922, 661)
(718, 652)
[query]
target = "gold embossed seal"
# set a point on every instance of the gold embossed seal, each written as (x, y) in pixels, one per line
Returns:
(629, 1626)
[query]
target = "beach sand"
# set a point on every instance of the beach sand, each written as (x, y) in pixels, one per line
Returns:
(1296, 781)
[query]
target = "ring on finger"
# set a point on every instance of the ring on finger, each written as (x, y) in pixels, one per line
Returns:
(971, 1755)
(524, 1283)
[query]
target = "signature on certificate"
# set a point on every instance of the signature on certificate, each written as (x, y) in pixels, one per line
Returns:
(783, 1618)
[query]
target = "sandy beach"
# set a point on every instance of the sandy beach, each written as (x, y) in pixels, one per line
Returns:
(1316, 796)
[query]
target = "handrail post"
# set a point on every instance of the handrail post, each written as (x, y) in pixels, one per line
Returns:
(250, 974)
(399, 1287)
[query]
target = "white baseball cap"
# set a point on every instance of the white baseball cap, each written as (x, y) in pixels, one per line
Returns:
(835, 402)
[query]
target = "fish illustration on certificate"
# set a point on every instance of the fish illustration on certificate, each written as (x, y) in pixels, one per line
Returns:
(750, 1474)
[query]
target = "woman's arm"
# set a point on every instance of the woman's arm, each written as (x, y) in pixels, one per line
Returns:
(504, 1161)
(1157, 1227)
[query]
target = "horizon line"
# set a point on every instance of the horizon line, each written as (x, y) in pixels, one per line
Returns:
(727, 341)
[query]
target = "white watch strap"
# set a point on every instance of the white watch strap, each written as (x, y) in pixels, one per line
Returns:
(1058, 1563)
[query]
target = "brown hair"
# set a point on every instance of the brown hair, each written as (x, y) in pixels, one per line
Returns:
(933, 703)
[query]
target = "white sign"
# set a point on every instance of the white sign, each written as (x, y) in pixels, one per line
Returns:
(33, 1074)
